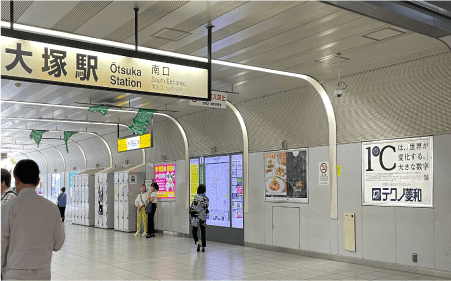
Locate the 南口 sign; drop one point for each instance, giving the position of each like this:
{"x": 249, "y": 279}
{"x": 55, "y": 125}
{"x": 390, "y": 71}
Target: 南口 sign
{"x": 218, "y": 100}
{"x": 397, "y": 172}
{"x": 43, "y": 62}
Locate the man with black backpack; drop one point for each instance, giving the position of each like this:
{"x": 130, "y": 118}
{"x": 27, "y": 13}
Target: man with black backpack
{"x": 7, "y": 192}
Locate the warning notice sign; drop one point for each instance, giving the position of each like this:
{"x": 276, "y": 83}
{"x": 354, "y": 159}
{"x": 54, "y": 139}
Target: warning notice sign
{"x": 324, "y": 173}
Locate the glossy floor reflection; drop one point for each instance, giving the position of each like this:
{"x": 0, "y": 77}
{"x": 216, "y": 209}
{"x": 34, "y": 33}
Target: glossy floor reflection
{"x": 97, "y": 254}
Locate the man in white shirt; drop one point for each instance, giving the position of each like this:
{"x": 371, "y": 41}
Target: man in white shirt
{"x": 31, "y": 228}
{"x": 7, "y": 192}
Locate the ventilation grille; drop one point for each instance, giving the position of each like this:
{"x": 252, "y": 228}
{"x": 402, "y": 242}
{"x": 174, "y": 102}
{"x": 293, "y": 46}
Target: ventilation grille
{"x": 145, "y": 18}
{"x": 79, "y": 15}
{"x": 19, "y": 8}
{"x": 242, "y": 24}
{"x": 202, "y": 18}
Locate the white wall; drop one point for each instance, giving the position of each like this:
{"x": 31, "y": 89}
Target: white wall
{"x": 388, "y": 234}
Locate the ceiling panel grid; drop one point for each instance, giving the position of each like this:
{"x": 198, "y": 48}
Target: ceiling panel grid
{"x": 95, "y": 150}
{"x": 212, "y": 128}
{"x": 79, "y": 15}
{"x": 54, "y": 159}
{"x": 167, "y": 141}
{"x": 19, "y": 8}
{"x": 74, "y": 158}
{"x": 259, "y": 16}
{"x": 198, "y": 20}
{"x": 145, "y": 18}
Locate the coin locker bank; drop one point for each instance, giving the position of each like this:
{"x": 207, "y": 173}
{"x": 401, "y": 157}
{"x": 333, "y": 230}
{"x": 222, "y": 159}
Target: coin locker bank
{"x": 127, "y": 185}
{"x": 83, "y": 207}
{"x": 223, "y": 176}
{"x": 104, "y": 198}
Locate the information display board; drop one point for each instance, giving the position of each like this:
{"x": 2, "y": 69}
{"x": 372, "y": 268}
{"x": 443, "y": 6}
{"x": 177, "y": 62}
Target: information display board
{"x": 286, "y": 175}
{"x": 164, "y": 176}
{"x": 223, "y": 176}
{"x": 55, "y": 184}
{"x": 398, "y": 172}
{"x": 134, "y": 142}
{"x": 237, "y": 191}
{"x": 217, "y": 180}
{"x": 194, "y": 178}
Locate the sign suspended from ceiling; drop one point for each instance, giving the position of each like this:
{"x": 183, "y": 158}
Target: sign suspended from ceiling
{"x": 134, "y": 142}
{"x": 218, "y": 100}
{"x": 43, "y": 59}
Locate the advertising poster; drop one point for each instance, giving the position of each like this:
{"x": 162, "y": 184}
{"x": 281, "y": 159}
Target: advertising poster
{"x": 237, "y": 191}
{"x": 398, "y": 172}
{"x": 217, "y": 180}
{"x": 194, "y": 178}
{"x": 286, "y": 176}
{"x": 40, "y": 187}
{"x": 164, "y": 176}
{"x": 55, "y": 184}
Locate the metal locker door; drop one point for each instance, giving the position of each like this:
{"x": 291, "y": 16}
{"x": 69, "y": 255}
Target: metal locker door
{"x": 105, "y": 222}
{"x": 116, "y": 203}
{"x": 121, "y": 206}
{"x": 126, "y": 207}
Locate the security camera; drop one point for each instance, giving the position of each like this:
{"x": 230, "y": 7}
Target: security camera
{"x": 339, "y": 92}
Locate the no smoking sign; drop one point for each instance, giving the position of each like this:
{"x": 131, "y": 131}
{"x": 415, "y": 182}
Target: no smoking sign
{"x": 323, "y": 173}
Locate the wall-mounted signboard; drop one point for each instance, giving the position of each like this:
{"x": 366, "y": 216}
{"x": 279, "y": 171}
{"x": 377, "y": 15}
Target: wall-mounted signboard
{"x": 43, "y": 59}
{"x": 286, "y": 175}
{"x": 398, "y": 172}
{"x": 218, "y": 100}
{"x": 164, "y": 176}
{"x": 134, "y": 142}
{"x": 223, "y": 176}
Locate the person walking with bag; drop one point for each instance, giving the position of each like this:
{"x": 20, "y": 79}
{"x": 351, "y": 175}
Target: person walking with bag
{"x": 198, "y": 215}
{"x": 153, "y": 198}
{"x": 61, "y": 202}
{"x": 140, "y": 203}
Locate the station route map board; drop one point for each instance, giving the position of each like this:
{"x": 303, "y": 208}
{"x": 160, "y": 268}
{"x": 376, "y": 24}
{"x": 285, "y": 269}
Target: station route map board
{"x": 217, "y": 180}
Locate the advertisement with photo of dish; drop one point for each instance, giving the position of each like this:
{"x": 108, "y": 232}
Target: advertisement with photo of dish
{"x": 275, "y": 175}
{"x": 286, "y": 176}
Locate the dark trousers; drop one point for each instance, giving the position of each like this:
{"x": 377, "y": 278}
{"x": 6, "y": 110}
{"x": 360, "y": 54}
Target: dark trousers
{"x": 62, "y": 211}
{"x": 150, "y": 223}
{"x": 202, "y": 234}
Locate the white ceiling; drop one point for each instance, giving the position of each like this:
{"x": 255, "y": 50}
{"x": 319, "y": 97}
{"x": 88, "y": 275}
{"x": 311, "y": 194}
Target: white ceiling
{"x": 281, "y": 35}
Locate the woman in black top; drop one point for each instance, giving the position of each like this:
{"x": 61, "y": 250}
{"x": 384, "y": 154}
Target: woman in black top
{"x": 198, "y": 215}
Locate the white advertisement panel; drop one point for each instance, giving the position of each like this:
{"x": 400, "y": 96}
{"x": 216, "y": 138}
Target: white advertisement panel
{"x": 398, "y": 172}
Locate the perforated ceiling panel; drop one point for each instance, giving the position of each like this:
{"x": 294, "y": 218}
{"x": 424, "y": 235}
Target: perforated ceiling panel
{"x": 258, "y": 16}
{"x": 145, "y": 18}
{"x": 79, "y": 15}
{"x": 54, "y": 159}
{"x": 96, "y": 152}
{"x": 168, "y": 141}
{"x": 202, "y": 18}
{"x": 19, "y": 8}
{"x": 74, "y": 158}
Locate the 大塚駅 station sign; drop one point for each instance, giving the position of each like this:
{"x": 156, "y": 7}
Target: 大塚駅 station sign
{"x": 44, "y": 59}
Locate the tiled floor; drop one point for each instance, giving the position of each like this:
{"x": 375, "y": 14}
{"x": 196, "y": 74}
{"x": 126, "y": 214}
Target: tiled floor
{"x": 97, "y": 254}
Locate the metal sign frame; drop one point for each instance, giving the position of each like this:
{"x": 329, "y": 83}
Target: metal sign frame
{"x": 103, "y": 49}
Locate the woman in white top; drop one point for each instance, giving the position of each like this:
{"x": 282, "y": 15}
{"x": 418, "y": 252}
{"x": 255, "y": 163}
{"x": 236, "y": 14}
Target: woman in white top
{"x": 153, "y": 198}
{"x": 140, "y": 203}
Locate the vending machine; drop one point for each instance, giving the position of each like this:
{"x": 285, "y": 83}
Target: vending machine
{"x": 127, "y": 185}
{"x": 104, "y": 198}
{"x": 83, "y": 207}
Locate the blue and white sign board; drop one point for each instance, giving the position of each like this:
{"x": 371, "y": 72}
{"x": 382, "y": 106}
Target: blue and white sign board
{"x": 398, "y": 172}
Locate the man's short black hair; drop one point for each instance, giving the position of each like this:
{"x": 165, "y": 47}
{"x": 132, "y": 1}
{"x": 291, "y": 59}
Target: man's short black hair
{"x": 6, "y": 177}
{"x": 201, "y": 189}
{"x": 27, "y": 171}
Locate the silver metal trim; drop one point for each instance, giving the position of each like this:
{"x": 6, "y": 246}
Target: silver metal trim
{"x": 245, "y": 157}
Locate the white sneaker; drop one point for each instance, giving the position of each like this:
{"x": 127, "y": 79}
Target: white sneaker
{"x": 144, "y": 234}
{"x": 136, "y": 234}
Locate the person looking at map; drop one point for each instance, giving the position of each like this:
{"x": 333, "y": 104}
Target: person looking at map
{"x": 198, "y": 215}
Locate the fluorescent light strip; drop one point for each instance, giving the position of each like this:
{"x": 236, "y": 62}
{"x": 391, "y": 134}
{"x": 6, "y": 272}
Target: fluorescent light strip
{"x": 62, "y": 121}
{"x": 19, "y": 129}
{"x": 145, "y": 49}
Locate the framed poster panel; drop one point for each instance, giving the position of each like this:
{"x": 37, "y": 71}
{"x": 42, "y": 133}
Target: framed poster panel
{"x": 398, "y": 172}
{"x": 164, "y": 176}
{"x": 286, "y": 175}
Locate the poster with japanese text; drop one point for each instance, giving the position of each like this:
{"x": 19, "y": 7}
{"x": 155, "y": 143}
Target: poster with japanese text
{"x": 286, "y": 176}
{"x": 194, "y": 178}
{"x": 164, "y": 176}
{"x": 397, "y": 172}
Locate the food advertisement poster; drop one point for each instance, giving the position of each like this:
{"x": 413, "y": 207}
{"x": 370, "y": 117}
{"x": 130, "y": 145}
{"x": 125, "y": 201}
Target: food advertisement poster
{"x": 164, "y": 176}
{"x": 398, "y": 172}
{"x": 286, "y": 176}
